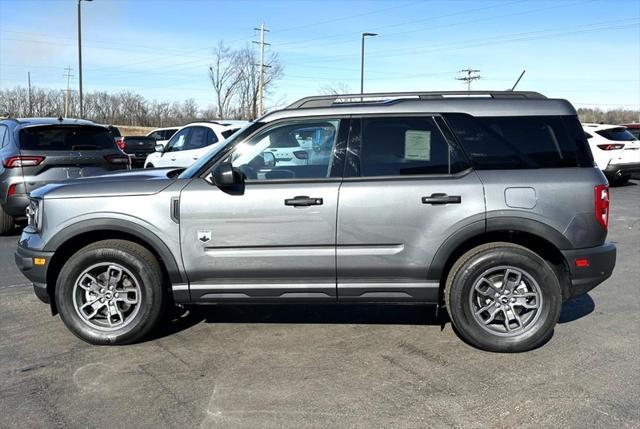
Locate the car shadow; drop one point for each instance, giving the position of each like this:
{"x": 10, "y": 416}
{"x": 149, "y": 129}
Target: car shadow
{"x": 183, "y": 318}
{"x": 356, "y": 314}
{"x": 576, "y": 308}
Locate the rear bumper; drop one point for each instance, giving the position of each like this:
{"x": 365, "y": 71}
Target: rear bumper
{"x": 37, "y": 274}
{"x": 626, "y": 168}
{"x": 602, "y": 260}
{"x": 16, "y": 205}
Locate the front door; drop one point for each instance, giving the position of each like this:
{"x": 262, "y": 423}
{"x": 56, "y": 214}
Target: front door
{"x": 274, "y": 237}
{"x": 409, "y": 189}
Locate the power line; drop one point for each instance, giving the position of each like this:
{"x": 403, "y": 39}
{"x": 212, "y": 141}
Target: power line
{"x": 469, "y": 75}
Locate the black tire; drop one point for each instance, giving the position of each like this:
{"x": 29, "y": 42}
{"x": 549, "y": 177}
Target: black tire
{"x": 620, "y": 180}
{"x": 7, "y": 222}
{"x": 465, "y": 276}
{"x": 149, "y": 166}
{"x": 144, "y": 268}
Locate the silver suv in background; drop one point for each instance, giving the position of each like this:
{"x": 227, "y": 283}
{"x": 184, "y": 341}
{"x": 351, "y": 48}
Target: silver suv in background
{"x": 486, "y": 203}
{"x": 38, "y": 151}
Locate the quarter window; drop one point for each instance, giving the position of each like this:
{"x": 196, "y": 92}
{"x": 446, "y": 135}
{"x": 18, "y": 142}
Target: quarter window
{"x": 3, "y": 136}
{"x": 403, "y": 146}
{"x": 517, "y": 142}
{"x": 281, "y": 151}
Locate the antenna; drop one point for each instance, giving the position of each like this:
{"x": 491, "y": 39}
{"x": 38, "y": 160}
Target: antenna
{"x": 518, "y": 80}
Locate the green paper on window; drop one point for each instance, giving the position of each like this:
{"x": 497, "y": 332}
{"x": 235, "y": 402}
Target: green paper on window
{"x": 417, "y": 145}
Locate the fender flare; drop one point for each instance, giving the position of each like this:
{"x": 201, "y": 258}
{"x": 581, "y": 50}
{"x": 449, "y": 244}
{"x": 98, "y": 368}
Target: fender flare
{"x": 493, "y": 224}
{"x": 120, "y": 225}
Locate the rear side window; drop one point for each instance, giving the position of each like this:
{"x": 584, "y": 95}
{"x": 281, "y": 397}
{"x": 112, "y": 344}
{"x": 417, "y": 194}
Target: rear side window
{"x": 61, "y": 137}
{"x": 520, "y": 142}
{"x": 169, "y": 133}
{"x": 402, "y": 146}
{"x": 617, "y": 134}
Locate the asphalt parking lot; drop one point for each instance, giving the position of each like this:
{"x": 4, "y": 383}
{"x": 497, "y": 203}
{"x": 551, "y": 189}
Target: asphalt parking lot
{"x": 328, "y": 366}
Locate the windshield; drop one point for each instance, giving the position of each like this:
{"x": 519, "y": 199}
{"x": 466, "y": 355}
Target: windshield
{"x": 216, "y": 150}
{"x": 617, "y": 134}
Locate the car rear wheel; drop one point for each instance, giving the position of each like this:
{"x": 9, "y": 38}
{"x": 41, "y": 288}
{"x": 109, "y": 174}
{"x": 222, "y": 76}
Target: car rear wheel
{"x": 111, "y": 292}
{"x": 149, "y": 166}
{"x": 502, "y": 297}
{"x": 7, "y": 222}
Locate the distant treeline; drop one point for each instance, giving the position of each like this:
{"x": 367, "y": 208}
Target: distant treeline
{"x": 613, "y": 116}
{"x": 130, "y": 108}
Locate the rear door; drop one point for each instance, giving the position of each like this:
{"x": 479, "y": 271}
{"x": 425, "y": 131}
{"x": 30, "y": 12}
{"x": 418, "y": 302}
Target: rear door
{"x": 407, "y": 187}
{"x": 61, "y": 152}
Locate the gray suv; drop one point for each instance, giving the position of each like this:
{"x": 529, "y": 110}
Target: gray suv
{"x": 486, "y": 203}
{"x": 38, "y": 151}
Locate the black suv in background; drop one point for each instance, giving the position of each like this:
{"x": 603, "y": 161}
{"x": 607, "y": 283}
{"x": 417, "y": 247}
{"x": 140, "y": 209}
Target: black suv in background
{"x": 38, "y": 151}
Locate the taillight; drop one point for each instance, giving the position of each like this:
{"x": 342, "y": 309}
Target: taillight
{"x": 117, "y": 159}
{"x": 612, "y": 146}
{"x": 301, "y": 154}
{"x": 22, "y": 161}
{"x": 12, "y": 190}
{"x": 120, "y": 143}
{"x": 602, "y": 205}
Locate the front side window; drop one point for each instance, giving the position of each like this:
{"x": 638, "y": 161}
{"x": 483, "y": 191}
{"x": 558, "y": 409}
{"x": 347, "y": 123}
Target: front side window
{"x": 177, "y": 142}
{"x": 402, "y": 146}
{"x": 168, "y": 134}
{"x": 276, "y": 153}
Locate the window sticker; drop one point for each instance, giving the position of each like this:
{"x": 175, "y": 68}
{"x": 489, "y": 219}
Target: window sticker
{"x": 417, "y": 145}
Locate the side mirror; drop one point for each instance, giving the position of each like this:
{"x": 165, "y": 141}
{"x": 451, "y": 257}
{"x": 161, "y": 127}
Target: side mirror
{"x": 224, "y": 175}
{"x": 159, "y": 148}
{"x": 269, "y": 159}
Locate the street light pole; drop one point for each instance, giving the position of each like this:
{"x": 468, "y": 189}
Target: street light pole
{"x": 362, "y": 60}
{"x": 80, "y": 56}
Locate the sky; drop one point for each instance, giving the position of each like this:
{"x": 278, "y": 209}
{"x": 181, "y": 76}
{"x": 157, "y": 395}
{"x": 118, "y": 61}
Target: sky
{"x": 587, "y": 51}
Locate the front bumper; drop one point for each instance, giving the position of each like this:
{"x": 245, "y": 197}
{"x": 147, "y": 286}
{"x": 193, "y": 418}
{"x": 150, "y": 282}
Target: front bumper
{"x": 601, "y": 261}
{"x": 37, "y": 274}
{"x": 623, "y": 168}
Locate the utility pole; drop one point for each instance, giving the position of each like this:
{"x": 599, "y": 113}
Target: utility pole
{"x": 80, "y": 55}
{"x": 262, "y": 65}
{"x": 30, "y": 100}
{"x": 362, "y": 59}
{"x": 67, "y": 93}
{"x": 470, "y": 76}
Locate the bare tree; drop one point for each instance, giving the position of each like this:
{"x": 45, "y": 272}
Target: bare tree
{"x": 248, "y": 93}
{"x": 225, "y": 75}
{"x": 335, "y": 88}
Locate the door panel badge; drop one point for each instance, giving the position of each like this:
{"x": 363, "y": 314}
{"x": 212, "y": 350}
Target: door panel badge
{"x": 204, "y": 236}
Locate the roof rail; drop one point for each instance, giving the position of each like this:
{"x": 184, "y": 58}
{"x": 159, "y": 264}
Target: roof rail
{"x": 383, "y": 97}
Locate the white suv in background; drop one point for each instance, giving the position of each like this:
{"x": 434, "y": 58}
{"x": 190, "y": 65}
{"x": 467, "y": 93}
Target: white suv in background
{"x": 615, "y": 150}
{"x": 189, "y": 143}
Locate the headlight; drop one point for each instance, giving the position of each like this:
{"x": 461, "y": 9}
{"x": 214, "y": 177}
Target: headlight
{"x": 34, "y": 214}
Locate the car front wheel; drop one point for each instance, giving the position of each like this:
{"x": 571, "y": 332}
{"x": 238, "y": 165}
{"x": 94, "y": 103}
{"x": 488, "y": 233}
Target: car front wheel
{"x": 503, "y": 297}
{"x": 111, "y": 292}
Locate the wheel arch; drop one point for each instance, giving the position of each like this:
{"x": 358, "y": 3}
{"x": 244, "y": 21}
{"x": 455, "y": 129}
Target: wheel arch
{"x": 536, "y": 236}
{"x": 71, "y": 239}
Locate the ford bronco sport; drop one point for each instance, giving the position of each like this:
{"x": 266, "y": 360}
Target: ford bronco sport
{"x": 487, "y": 203}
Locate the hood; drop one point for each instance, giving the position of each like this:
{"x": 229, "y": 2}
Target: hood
{"x": 126, "y": 183}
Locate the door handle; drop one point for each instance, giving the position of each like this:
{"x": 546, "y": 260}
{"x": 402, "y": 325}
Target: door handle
{"x": 439, "y": 199}
{"x": 303, "y": 201}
